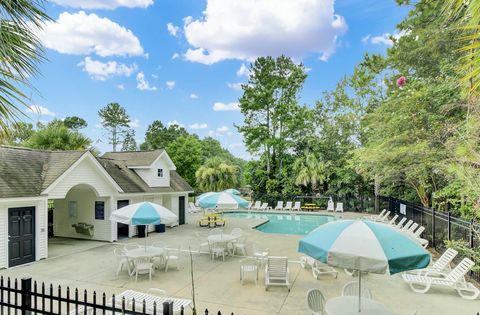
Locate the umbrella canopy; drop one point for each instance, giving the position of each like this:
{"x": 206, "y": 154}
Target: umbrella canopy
{"x": 144, "y": 213}
{"x": 222, "y": 200}
{"x": 364, "y": 246}
{"x": 232, "y": 191}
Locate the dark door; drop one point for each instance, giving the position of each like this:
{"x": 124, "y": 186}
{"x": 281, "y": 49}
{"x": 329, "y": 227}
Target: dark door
{"x": 122, "y": 229}
{"x": 21, "y": 236}
{"x": 181, "y": 210}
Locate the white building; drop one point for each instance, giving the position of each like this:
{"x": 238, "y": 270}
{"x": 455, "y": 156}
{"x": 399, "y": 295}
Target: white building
{"x": 80, "y": 191}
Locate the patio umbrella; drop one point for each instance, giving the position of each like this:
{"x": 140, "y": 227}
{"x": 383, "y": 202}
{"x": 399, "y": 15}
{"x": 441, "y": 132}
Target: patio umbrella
{"x": 222, "y": 200}
{"x": 144, "y": 213}
{"x": 364, "y": 246}
{"x": 232, "y": 191}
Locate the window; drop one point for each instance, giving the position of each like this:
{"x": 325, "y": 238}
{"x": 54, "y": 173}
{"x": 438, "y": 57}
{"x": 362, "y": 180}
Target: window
{"x": 99, "y": 210}
{"x": 160, "y": 172}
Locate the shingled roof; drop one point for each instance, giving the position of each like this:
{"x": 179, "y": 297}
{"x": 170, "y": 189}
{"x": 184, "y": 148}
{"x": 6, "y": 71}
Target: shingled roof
{"x": 27, "y": 172}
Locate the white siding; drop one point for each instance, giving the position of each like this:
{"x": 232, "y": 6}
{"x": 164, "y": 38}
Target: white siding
{"x": 85, "y": 199}
{"x": 41, "y": 234}
{"x": 84, "y": 173}
{"x": 150, "y": 175}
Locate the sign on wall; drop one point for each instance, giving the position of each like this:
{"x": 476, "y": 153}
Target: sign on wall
{"x": 403, "y": 209}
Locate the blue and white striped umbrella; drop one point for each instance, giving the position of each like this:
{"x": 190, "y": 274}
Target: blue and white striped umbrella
{"x": 232, "y": 191}
{"x": 222, "y": 200}
{"x": 365, "y": 246}
{"x": 144, "y": 213}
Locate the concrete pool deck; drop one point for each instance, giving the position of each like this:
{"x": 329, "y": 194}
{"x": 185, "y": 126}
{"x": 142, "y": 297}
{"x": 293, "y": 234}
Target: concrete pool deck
{"x": 91, "y": 265}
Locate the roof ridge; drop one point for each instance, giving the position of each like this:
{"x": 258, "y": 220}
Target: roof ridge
{"x": 12, "y": 147}
{"x": 136, "y": 151}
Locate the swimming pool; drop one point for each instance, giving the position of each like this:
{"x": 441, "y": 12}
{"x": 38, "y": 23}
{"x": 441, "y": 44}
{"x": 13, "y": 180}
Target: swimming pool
{"x": 299, "y": 224}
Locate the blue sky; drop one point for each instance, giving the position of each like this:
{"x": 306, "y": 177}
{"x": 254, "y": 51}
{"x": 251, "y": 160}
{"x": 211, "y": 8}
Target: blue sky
{"x": 180, "y": 61}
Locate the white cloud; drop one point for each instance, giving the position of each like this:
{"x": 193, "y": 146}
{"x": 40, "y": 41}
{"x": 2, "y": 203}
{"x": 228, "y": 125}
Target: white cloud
{"x": 236, "y": 86}
{"x": 104, "y": 4}
{"x": 154, "y": 76}
{"x": 235, "y": 145}
{"x": 175, "y": 56}
{"x": 244, "y": 30}
{"x": 143, "y": 84}
{"x": 199, "y": 126}
{"x": 120, "y": 87}
{"x": 82, "y": 34}
{"x": 193, "y": 96}
{"x": 219, "y": 106}
{"x": 174, "y": 122}
{"x": 383, "y": 39}
{"x": 170, "y": 84}
{"x": 243, "y": 71}
{"x": 101, "y": 71}
{"x": 172, "y": 29}
{"x": 223, "y": 129}
{"x": 134, "y": 123}
{"x": 40, "y": 110}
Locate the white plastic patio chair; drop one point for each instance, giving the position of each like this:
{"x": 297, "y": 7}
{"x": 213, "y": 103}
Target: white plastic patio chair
{"x": 122, "y": 260}
{"x": 215, "y": 231}
{"x": 257, "y": 205}
{"x": 154, "y": 296}
{"x": 218, "y": 249}
{"x": 318, "y": 268}
{"x": 376, "y": 216}
{"x": 315, "y": 301}
{"x": 351, "y": 289}
{"x": 455, "y": 279}
{"x": 399, "y": 224}
{"x": 265, "y": 206}
{"x": 288, "y": 206}
{"x": 330, "y": 205}
{"x": 412, "y": 228}
{"x": 248, "y": 265}
{"x": 202, "y": 243}
{"x": 143, "y": 265}
{"x": 339, "y": 207}
{"x": 237, "y": 232}
{"x": 419, "y": 232}
{"x": 192, "y": 208}
{"x": 297, "y": 206}
{"x": 392, "y": 221}
{"x": 277, "y": 272}
{"x": 407, "y": 225}
{"x": 172, "y": 256}
{"x": 279, "y": 205}
{"x": 440, "y": 267}
{"x": 383, "y": 217}
{"x": 240, "y": 245}
{"x": 260, "y": 253}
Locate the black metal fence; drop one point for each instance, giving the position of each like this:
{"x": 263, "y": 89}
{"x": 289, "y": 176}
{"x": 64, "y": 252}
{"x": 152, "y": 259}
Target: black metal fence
{"x": 439, "y": 225}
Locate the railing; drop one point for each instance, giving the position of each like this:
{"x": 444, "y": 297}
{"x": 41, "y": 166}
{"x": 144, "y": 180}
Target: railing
{"x": 439, "y": 225}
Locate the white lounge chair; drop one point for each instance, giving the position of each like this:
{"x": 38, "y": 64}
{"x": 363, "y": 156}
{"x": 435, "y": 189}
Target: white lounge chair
{"x": 240, "y": 245}
{"x": 172, "y": 255}
{"x": 315, "y": 301}
{"x": 249, "y": 206}
{"x": 392, "y": 221}
{"x": 383, "y": 218}
{"x": 455, "y": 279}
{"x": 122, "y": 260}
{"x": 143, "y": 265}
{"x": 218, "y": 249}
{"x": 376, "y": 216}
{"x": 288, "y": 206}
{"x": 330, "y": 205}
{"x": 277, "y": 272}
{"x": 279, "y": 205}
{"x": 407, "y": 225}
{"x": 192, "y": 208}
{"x": 265, "y": 206}
{"x": 399, "y": 224}
{"x": 248, "y": 265}
{"x": 260, "y": 253}
{"x": 297, "y": 206}
{"x": 257, "y": 205}
{"x": 351, "y": 289}
{"x": 152, "y": 296}
{"x": 339, "y": 207}
{"x": 440, "y": 267}
{"x": 412, "y": 228}
{"x": 418, "y": 237}
{"x": 318, "y": 268}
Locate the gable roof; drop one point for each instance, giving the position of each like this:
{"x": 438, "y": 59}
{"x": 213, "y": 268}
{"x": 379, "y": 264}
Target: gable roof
{"x": 27, "y": 172}
{"x": 135, "y": 158}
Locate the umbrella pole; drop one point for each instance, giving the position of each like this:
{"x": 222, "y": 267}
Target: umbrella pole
{"x": 146, "y": 233}
{"x": 359, "y": 291}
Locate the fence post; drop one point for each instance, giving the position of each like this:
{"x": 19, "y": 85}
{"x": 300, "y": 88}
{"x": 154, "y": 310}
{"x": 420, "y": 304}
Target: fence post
{"x": 433, "y": 228}
{"x": 471, "y": 234}
{"x": 167, "y": 308}
{"x": 449, "y": 226}
{"x": 26, "y": 296}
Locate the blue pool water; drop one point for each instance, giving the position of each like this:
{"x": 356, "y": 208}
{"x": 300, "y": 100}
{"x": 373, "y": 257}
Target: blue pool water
{"x": 300, "y": 224}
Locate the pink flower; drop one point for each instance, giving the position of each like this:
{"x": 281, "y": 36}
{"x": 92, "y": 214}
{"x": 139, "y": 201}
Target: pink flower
{"x": 401, "y": 81}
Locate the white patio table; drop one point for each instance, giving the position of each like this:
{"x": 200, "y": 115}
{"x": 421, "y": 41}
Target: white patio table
{"x": 223, "y": 238}
{"x": 348, "y": 305}
{"x": 148, "y": 251}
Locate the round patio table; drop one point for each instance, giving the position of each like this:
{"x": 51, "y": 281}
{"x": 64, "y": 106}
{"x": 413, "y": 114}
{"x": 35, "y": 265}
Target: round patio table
{"x": 148, "y": 251}
{"x": 222, "y": 238}
{"x": 348, "y": 305}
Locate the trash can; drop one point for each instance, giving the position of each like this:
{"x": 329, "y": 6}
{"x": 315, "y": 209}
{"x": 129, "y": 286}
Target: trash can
{"x": 141, "y": 230}
{"x": 160, "y": 228}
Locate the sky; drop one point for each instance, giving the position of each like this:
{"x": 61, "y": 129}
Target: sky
{"x": 182, "y": 61}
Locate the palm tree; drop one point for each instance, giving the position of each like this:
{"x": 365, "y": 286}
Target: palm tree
{"x": 20, "y": 54}
{"x": 216, "y": 175}
{"x": 56, "y": 136}
{"x": 310, "y": 171}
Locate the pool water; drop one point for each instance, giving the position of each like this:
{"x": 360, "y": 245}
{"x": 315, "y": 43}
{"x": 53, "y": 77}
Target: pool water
{"x": 299, "y": 224}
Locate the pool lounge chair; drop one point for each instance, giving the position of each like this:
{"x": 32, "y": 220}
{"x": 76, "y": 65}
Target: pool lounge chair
{"x": 257, "y": 205}
{"x": 192, "y": 208}
{"x": 153, "y": 296}
{"x": 440, "y": 267}
{"x": 265, "y": 206}
{"x": 330, "y": 206}
{"x": 376, "y": 216}
{"x": 297, "y": 206}
{"x": 288, "y": 206}
{"x": 276, "y": 272}
{"x": 455, "y": 279}
{"x": 399, "y": 224}
{"x": 407, "y": 225}
{"x": 339, "y": 207}
{"x": 318, "y": 268}
{"x": 382, "y": 218}
{"x": 392, "y": 221}
{"x": 279, "y": 205}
